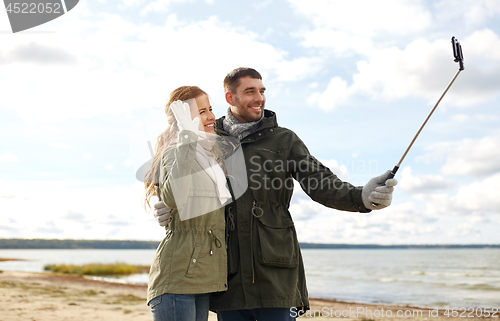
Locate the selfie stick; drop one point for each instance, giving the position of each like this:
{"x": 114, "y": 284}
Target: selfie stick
{"x": 457, "y": 52}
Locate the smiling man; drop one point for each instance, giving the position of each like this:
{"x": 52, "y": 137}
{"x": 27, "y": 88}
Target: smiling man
{"x": 246, "y": 98}
{"x": 265, "y": 269}
{"x": 245, "y": 95}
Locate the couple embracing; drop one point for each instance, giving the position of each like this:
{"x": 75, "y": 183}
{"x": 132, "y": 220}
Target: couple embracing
{"x": 230, "y": 244}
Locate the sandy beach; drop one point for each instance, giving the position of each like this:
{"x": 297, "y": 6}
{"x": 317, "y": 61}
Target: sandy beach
{"x": 49, "y": 297}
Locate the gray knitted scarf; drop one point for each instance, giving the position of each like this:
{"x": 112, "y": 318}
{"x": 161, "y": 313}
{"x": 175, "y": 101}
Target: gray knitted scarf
{"x": 240, "y": 130}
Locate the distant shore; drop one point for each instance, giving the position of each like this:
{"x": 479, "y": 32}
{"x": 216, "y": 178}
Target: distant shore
{"x": 126, "y": 244}
{"x": 52, "y": 297}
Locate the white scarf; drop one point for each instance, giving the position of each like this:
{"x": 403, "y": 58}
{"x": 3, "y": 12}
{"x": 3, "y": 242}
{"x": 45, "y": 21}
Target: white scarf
{"x": 206, "y": 160}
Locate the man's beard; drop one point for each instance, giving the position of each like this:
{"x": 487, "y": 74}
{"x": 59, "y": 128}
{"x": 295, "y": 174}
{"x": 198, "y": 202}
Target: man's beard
{"x": 247, "y": 115}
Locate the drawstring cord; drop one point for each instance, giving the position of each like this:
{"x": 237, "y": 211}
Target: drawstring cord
{"x": 229, "y": 223}
{"x": 257, "y": 211}
{"x": 215, "y": 240}
{"x": 230, "y": 216}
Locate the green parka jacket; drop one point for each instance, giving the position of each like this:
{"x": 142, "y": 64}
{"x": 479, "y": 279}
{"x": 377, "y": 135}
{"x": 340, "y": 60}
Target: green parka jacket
{"x": 265, "y": 268}
{"x": 192, "y": 257}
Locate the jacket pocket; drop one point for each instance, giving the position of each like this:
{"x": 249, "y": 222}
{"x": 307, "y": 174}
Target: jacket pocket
{"x": 278, "y": 241}
{"x": 154, "y": 302}
{"x": 193, "y": 261}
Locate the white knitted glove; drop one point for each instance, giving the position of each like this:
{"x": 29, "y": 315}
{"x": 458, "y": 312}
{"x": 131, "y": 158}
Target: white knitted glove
{"x": 162, "y": 213}
{"x": 377, "y": 193}
{"x": 182, "y": 114}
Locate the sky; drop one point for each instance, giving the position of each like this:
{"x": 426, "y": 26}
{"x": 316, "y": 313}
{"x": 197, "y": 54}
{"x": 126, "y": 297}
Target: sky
{"x": 80, "y": 97}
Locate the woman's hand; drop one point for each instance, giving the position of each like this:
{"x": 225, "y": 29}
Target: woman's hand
{"x": 182, "y": 113}
{"x": 162, "y": 213}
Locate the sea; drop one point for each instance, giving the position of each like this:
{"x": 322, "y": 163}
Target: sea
{"x": 432, "y": 278}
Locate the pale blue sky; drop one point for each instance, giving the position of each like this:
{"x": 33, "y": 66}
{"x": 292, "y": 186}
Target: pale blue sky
{"x": 354, "y": 79}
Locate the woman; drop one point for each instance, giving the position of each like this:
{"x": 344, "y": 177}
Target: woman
{"x": 191, "y": 260}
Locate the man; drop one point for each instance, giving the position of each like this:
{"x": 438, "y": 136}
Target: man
{"x": 265, "y": 269}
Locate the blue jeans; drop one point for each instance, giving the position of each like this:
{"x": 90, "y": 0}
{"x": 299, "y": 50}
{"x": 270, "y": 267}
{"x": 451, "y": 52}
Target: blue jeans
{"x": 261, "y": 314}
{"x": 180, "y": 307}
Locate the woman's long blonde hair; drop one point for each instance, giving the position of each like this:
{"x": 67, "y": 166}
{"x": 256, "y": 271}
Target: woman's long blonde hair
{"x": 165, "y": 139}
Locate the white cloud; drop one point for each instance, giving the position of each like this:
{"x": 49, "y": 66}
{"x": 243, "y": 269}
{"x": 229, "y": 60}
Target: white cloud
{"x": 366, "y": 17}
{"x": 463, "y": 230}
{"x": 472, "y": 157}
{"x": 395, "y": 224}
{"x": 483, "y": 44}
{"x": 477, "y": 118}
{"x": 55, "y": 130}
{"x": 479, "y": 82}
{"x": 304, "y": 208}
{"x": 297, "y": 69}
{"x": 473, "y": 13}
{"x": 124, "y": 66}
{"x": 160, "y": 6}
{"x": 61, "y": 145}
{"x": 343, "y": 29}
{"x": 74, "y": 216}
{"x": 422, "y": 183}
{"x": 473, "y": 219}
{"x": 109, "y": 212}
{"x": 129, "y": 3}
{"x": 340, "y": 42}
{"x": 36, "y": 53}
{"x": 437, "y": 152}
{"x": 105, "y": 64}
{"x": 479, "y": 197}
{"x": 336, "y": 93}
{"x": 338, "y": 169}
{"x": 422, "y": 69}
{"x": 259, "y": 5}
{"x": 391, "y": 73}
{"x": 461, "y": 118}
{"x": 427, "y": 216}
{"x": 8, "y": 158}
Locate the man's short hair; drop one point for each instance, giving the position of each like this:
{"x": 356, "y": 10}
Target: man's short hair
{"x": 232, "y": 80}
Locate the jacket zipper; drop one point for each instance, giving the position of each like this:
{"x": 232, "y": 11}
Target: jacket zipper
{"x": 256, "y": 212}
{"x": 301, "y": 301}
{"x": 251, "y": 248}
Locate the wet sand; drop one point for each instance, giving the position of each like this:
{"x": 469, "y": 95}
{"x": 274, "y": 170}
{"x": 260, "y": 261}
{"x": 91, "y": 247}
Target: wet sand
{"x": 50, "y": 297}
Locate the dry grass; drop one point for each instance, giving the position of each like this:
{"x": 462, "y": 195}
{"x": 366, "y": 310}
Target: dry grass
{"x": 5, "y": 259}
{"x": 98, "y": 269}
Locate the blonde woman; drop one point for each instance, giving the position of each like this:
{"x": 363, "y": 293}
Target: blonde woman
{"x": 191, "y": 261}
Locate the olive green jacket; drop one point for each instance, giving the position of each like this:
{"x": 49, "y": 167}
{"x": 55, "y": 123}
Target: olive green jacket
{"x": 192, "y": 257}
{"x": 264, "y": 260}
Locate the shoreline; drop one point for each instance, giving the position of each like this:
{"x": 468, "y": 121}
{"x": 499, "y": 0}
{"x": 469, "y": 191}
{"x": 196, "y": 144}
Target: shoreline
{"x": 51, "y": 297}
